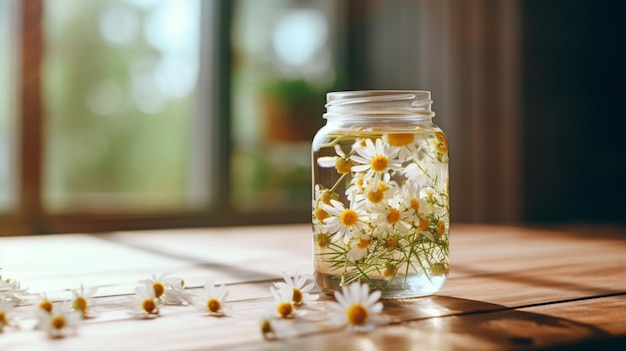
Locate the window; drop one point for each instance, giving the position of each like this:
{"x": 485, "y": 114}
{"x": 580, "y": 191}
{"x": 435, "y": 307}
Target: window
{"x": 150, "y": 113}
{"x": 8, "y": 84}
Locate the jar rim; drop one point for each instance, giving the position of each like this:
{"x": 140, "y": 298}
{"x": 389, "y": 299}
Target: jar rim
{"x": 379, "y": 102}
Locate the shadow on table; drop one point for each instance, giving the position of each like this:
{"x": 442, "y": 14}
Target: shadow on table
{"x": 447, "y": 323}
{"x": 453, "y": 323}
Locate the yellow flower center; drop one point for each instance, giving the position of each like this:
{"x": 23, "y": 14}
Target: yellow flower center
{"x": 356, "y": 314}
{"x": 326, "y": 197}
{"x": 441, "y": 148}
{"x": 349, "y": 217}
{"x": 320, "y": 214}
{"x": 58, "y": 322}
{"x": 148, "y": 305}
{"x": 3, "y": 319}
{"x": 363, "y": 243}
{"x": 284, "y": 309}
{"x": 46, "y": 306}
{"x": 213, "y": 305}
{"x": 415, "y": 204}
{"x": 297, "y": 296}
{"x": 80, "y": 304}
{"x": 441, "y": 227}
{"x": 159, "y": 289}
{"x": 394, "y": 216}
{"x": 322, "y": 240}
{"x": 343, "y": 165}
{"x": 266, "y": 327}
{"x": 423, "y": 224}
{"x": 379, "y": 163}
{"x": 378, "y": 195}
{"x": 400, "y": 139}
{"x": 390, "y": 271}
{"x": 392, "y": 242}
{"x": 359, "y": 182}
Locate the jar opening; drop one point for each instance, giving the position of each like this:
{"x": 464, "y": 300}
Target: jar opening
{"x": 379, "y": 102}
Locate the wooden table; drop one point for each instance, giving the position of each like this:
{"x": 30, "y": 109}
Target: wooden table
{"x": 510, "y": 288}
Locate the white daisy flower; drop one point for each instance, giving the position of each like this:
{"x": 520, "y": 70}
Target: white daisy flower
{"x": 6, "y": 318}
{"x": 161, "y": 283}
{"x": 176, "y": 294}
{"x": 416, "y": 174}
{"x": 376, "y": 160}
{"x": 143, "y": 304}
{"x": 356, "y": 308}
{"x": 392, "y": 217}
{"x": 342, "y": 222}
{"x": 301, "y": 290}
{"x": 373, "y": 196}
{"x": 405, "y": 143}
{"x": 63, "y": 321}
{"x": 211, "y": 298}
{"x": 81, "y": 300}
{"x": 359, "y": 250}
{"x": 283, "y": 301}
{"x": 44, "y": 305}
{"x": 11, "y": 289}
{"x": 273, "y": 328}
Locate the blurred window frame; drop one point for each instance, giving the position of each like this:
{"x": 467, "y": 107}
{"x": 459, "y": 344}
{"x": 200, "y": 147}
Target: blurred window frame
{"x": 29, "y": 215}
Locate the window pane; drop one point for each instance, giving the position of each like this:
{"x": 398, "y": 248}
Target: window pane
{"x": 8, "y": 87}
{"x": 285, "y": 61}
{"x": 120, "y": 87}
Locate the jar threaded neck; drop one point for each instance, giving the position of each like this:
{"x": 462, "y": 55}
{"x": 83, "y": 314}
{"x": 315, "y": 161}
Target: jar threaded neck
{"x": 379, "y": 102}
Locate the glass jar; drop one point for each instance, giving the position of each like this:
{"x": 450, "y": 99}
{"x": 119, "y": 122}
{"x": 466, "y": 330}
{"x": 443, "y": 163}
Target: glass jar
{"x": 380, "y": 194}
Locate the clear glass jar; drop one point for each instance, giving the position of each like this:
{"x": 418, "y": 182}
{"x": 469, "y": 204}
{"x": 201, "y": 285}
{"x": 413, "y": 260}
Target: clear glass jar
{"x": 380, "y": 194}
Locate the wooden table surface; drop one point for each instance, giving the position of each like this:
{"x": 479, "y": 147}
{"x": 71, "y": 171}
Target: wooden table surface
{"x": 510, "y": 288}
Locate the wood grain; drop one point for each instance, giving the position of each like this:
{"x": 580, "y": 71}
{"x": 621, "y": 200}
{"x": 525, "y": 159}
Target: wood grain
{"x": 510, "y": 288}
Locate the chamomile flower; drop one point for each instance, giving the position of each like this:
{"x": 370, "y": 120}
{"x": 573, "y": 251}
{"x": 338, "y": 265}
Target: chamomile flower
{"x": 11, "y": 289}
{"x": 6, "y": 318}
{"x": 161, "y": 283}
{"x": 211, "y": 299}
{"x": 416, "y": 174}
{"x": 45, "y": 304}
{"x": 273, "y": 328}
{"x": 373, "y": 196}
{"x": 342, "y": 222}
{"x": 392, "y": 217}
{"x": 143, "y": 304}
{"x": 376, "y": 160}
{"x": 359, "y": 250}
{"x": 356, "y": 308}
{"x": 405, "y": 143}
{"x": 176, "y": 294}
{"x": 81, "y": 300}
{"x": 283, "y": 301}
{"x": 301, "y": 290}
{"x": 322, "y": 197}
{"x": 63, "y": 321}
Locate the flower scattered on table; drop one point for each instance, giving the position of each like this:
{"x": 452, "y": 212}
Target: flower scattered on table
{"x": 62, "y": 322}
{"x": 211, "y": 299}
{"x": 6, "y": 317}
{"x": 176, "y": 294}
{"x": 283, "y": 301}
{"x": 82, "y": 301}
{"x": 356, "y": 308}
{"x": 301, "y": 290}
{"x": 43, "y": 306}
{"x": 11, "y": 289}
{"x": 144, "y": 304}
{"x": 273, "y": 328}
{"x": 162, "y": 286}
